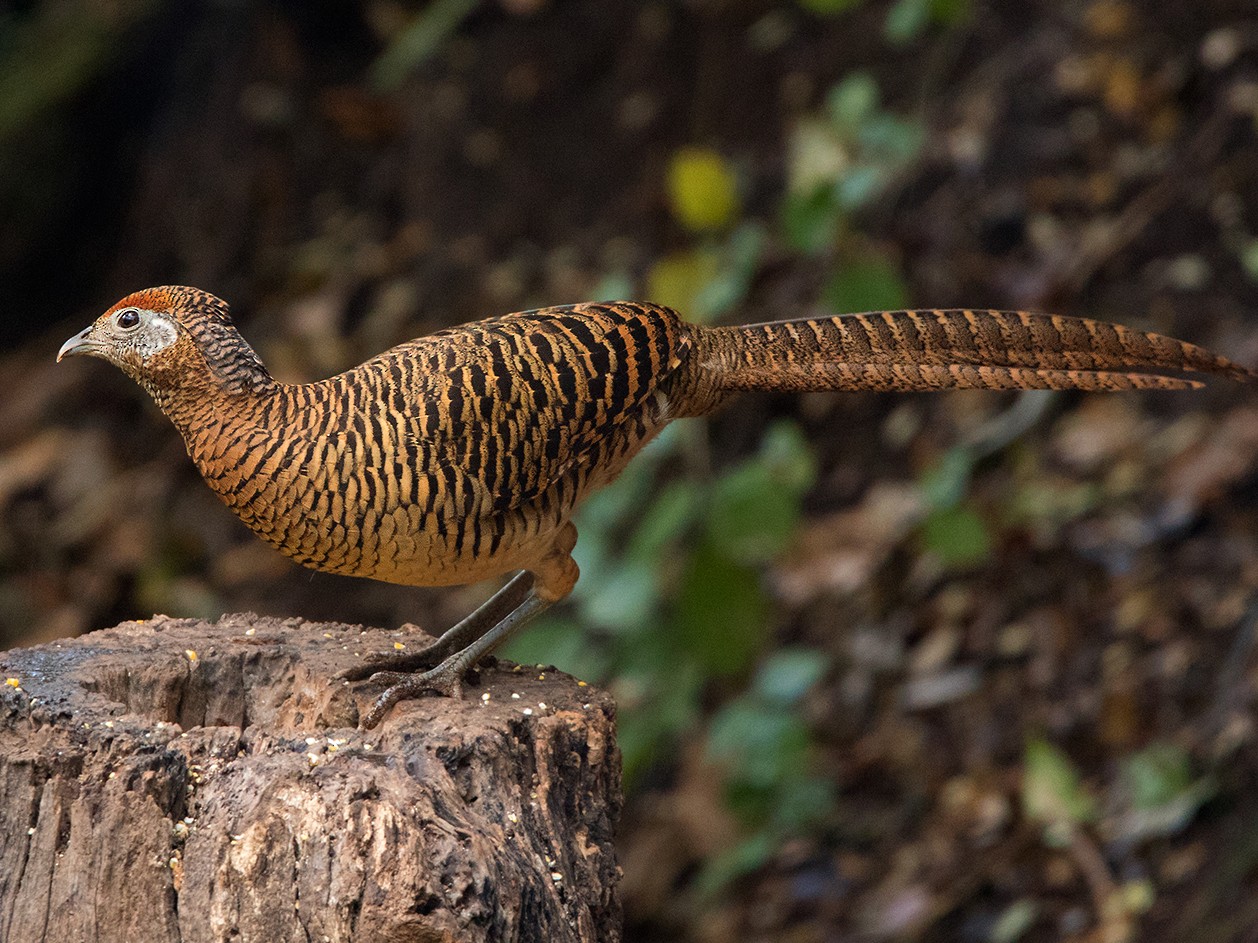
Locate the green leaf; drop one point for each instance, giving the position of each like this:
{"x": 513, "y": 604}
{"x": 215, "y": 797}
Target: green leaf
{"x": 413, "y": 46}
{"x": 559, "y": 642}
{"x": 665, "y": 520}
{"x": 1053, "y": 793}
{"x": 789, "y": 455}
{"x": 627, "y": 597}
{"x": 859, "y": 186}
{"x": 890, "y": 141}
{"x": 906, "y": 20}
{"x": 829, "y": 7}
{"x": 602, "y": 516}
{"x": 803, "y": 801}
{"x": 678, "y": 280}
{"x": 853, "y": 100}
{"x": 702, "y": 190}
{"x": 957, "y": 535}
{"x": 737, "y": 261}
{"x": 721, "y": 613}
{"x": 754, "y": 509}
{"x": 1014, "y": 921}
{"x": 811, "y": 221}
{"x": 645, "y": 733}
{"x": 761, "y": 747}
{"x": 870, "y": 283}
{"x": 788, "y": 674}
{"x": 741, "y": 860}
{"x": 752, "y": 516}
{"x": 1157, "y": 774}
{"x": 946, "y": 482}
{"x": 1161, "y": 792}
{"x": 951, "y": 12}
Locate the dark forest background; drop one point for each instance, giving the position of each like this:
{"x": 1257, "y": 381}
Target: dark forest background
{"x": 972, "y": 667}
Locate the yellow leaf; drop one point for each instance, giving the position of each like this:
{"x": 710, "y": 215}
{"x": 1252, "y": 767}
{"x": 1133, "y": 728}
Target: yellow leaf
{"x": 677, "y": 279}
{"x": 701, "y": 189}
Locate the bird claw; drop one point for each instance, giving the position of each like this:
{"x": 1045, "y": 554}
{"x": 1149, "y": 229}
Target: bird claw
{"x": 390, "y": 678}
{"x": 426, "y": 657}
{"x": 402, "y": 687}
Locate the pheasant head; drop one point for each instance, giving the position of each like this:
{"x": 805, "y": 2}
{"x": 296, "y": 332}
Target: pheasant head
{"x": 172, "y": 339}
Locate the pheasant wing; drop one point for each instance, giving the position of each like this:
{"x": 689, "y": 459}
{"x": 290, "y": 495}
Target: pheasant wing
{"x": 514, "y": 403}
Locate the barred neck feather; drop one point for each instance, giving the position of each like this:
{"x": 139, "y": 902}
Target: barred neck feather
{"x": 234, "y": 364}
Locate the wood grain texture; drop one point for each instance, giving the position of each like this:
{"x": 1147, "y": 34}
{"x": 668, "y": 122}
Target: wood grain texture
{"x": 149, "y": 795}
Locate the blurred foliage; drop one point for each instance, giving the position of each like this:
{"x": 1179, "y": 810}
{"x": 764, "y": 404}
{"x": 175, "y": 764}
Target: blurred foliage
{"x": 830, "y": 7}
{"x": 762, "y": 742}
{"x": 671, "y": 582}
{"x": 711, "y": 278}
{"x": 53, "y": 58}
{"x": 954, "y": 530}
{"x": 957, "y": 530}
{"x": 1158, "y": 792}
{"x": 51, "y": 54}
{"x": 672, "y": 559}
{"x": 702, "y": 190}
{"x": 676, "y": 609}
{"x": 906, "y": 20}
{"x": 1155, "y": 796}
{"x": 1053, "y": 793}
{"x": 841, "y": 160}
{"x": 417, "y": 41}
{"x": 866, "y": 283}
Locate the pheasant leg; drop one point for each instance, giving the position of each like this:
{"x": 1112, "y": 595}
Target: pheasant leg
{"x": 552, "y": 580}
{"x": 447, "y": 677}
{"x": 515, "y": 420}
{"x": 458, "y": 637}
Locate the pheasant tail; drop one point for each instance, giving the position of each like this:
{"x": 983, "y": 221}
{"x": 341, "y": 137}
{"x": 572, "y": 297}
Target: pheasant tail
{"x": 951, "y": 349}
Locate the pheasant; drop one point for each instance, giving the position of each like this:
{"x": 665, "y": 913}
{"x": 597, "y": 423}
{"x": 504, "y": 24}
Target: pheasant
{"x": 462, "y": 455}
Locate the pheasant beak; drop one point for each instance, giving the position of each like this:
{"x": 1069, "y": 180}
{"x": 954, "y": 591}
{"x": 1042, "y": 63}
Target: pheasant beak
{"x": 81, "y": 343}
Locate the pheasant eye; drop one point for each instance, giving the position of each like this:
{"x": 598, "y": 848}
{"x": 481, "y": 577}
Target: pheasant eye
{"x": 128, "y": 319}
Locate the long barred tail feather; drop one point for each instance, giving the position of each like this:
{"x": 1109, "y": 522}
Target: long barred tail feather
{"x": 952, "y": 349}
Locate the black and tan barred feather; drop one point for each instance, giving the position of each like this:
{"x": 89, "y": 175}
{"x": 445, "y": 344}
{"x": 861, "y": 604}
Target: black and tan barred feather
{"x": 953, "y": 349}
{"x": 206, "y": 318}
{"x": 462, "y": 455}
{"x": 442, "y": 459}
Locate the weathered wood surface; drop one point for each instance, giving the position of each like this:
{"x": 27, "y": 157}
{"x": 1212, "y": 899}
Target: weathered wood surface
{"x": 178, "y": 780}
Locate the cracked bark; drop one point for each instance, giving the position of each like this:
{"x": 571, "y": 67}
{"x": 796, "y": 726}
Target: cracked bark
{"x": 149, "y": 793}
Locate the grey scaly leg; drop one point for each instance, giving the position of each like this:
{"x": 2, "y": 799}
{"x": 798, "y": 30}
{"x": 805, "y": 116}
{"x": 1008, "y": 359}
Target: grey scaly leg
{"x": 457, "y": 638}
{"x": 447, "y": 677}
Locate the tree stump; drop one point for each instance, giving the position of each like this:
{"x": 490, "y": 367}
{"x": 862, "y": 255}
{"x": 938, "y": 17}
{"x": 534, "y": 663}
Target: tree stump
{"x": 178, "y": 780}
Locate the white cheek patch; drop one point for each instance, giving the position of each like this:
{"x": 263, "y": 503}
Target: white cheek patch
{"x": 159, "y": 334}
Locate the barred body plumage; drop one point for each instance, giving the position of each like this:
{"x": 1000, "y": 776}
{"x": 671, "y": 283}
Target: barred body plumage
{"x": 462, "y": 455}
